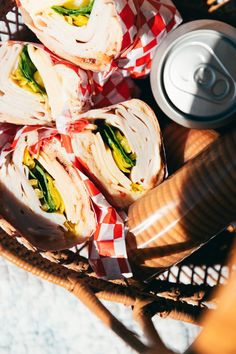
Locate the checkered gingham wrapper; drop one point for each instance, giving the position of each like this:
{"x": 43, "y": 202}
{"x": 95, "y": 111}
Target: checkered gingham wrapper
{"x": 7, "y": 135}
{"x": 112, "y": 89}
{"x": 107, "y": 247}
{"x": 10, "y": 135}
{"x": 154, "y": 19}
{"x": 145, "y": 23}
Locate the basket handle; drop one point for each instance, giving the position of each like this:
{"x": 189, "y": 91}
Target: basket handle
{"x": 185, "y": 211}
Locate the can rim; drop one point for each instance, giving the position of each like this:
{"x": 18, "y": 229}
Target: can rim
{"x": 156, "y": 76}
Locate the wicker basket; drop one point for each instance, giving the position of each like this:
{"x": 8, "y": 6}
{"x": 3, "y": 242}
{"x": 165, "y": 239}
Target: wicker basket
{"x": 182, "y": 292}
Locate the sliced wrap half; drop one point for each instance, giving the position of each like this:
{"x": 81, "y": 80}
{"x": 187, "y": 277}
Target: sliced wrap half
{"x": 122, "y": 149}
{"x": 43, "y": 196}
{"x": 36, "y": 87}
{"x": 86, "y": 32}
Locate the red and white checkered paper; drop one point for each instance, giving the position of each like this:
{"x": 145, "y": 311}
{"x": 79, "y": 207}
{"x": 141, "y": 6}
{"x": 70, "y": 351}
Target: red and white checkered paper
{"x": 112, "y": 89}
{"x": 145, "y": 23}
{"x": 107, "y": 248}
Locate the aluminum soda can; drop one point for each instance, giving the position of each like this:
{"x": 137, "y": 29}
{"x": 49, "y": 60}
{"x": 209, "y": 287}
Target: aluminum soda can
{"x": 193, "y": 76}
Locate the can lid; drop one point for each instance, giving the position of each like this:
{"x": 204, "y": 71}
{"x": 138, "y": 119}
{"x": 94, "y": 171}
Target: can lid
{"x": 198, "y": 75}
{"x": 193, "y": 75}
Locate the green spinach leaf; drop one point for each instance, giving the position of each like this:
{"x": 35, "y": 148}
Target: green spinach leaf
{"x": 123, "y": 160}
{"x": 86, "y": 10}
{"x": 28, "y": 69}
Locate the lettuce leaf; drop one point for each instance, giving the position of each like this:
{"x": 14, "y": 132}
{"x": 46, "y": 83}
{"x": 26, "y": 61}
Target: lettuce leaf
{"x": 28, "y": 69}
{"x": 51, "y": 199}
{"x": 83, "y": 10}
{"x": 125, "y": 161}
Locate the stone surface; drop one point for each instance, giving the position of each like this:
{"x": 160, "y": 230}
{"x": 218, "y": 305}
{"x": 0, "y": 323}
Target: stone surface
{"x": 41, "y": 318}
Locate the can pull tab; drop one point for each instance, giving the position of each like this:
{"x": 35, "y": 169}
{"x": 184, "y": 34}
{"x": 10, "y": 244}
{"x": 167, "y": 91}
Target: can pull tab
{"x": 215, "y": 84}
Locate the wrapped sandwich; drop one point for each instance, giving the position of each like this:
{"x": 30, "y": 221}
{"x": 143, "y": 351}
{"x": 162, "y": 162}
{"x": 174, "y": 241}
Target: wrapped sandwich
{"x": 121, "y": 148}
{"x": 36, "y": 87}
{"x": 95, "y": 33}
{"x": 42, "y": 193}
{"x": 86, "y": 32}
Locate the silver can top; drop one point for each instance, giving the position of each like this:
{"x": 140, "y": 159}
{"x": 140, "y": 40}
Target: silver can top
{"x": 194, "y": 74}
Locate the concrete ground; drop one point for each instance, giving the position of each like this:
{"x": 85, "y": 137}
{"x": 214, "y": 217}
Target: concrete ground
{"x": 37, "y": 317}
